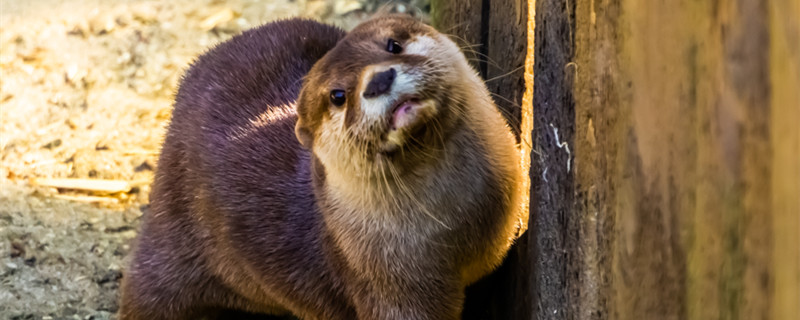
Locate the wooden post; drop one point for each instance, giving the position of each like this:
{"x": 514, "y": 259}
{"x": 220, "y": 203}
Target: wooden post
{"x": 494, "y": 37}
{"x": 679, "y": 172}
{"x": 666, "y": 159}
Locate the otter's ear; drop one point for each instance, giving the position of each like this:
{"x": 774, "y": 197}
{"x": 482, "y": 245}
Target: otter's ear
{"x": 303, "y": 134}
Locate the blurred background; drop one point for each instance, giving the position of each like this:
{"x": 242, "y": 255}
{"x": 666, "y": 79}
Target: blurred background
{"x": 85, "y": 93}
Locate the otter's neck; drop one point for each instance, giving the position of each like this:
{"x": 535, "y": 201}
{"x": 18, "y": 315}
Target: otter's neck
{"x": 458, "y": 173}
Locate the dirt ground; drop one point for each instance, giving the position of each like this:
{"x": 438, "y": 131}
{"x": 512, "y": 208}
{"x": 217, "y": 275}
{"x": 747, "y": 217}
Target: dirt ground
{"x": 85, "y": 92}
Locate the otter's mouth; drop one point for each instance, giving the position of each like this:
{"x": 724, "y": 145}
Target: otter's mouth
{"x": 404, "y": 112}
{"x": 405, "y": 119}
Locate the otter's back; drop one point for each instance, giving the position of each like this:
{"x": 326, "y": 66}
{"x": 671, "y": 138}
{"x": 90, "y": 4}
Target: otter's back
{"x": 255, "y": 72}
{"x": 231, "y": 164}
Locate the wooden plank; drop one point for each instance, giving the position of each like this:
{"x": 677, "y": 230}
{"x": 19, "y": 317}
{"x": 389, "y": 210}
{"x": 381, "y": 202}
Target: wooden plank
{"x": 94, "y": 185}
{"x": 463, "y": 22}
{"x": 506, "y": 43}
{"x": 494, "y": 36}
{"x": 86, "y": 199}
{"x": 506, "y": 293}
{"x": 665, "y": 173}
{"x": 219, "y": 18}
{"x": 551, "y": 173}
{"x": 677, "y": 160}
{"x": 784, "y": 48}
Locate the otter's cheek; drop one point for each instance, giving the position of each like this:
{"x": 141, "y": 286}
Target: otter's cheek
{"x": 329, "y": 142}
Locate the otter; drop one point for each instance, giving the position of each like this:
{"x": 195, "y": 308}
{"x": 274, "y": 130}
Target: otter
{"x": 327, "y": 175}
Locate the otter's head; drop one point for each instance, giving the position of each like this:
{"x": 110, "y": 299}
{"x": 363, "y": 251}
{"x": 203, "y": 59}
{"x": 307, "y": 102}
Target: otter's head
{"x": 385, "y": 98}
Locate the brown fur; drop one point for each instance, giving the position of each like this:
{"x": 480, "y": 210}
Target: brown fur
{"x": 355, "y": 220}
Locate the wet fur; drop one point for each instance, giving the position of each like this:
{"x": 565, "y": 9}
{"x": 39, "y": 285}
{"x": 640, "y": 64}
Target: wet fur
{"x": 243, "y": 216}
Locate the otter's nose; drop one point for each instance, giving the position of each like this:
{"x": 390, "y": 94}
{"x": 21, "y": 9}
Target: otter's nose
{"x": 381, "y": 83}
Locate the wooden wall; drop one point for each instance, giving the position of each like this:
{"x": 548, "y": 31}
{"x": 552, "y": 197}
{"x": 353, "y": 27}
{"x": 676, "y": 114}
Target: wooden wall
{"x": 666, "y": 156}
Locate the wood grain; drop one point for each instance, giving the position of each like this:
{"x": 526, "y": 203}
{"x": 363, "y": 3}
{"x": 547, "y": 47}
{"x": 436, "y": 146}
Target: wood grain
{"x": 665, "y": 162}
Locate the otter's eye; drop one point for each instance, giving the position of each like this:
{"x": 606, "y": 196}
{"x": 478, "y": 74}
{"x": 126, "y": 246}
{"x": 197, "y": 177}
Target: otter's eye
{"x": 338, "y": 97}
{"x": 394, "y": 46}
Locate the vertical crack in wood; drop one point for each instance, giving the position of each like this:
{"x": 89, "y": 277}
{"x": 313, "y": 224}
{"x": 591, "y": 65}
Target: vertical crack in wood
{"x": 484, "y": 45}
